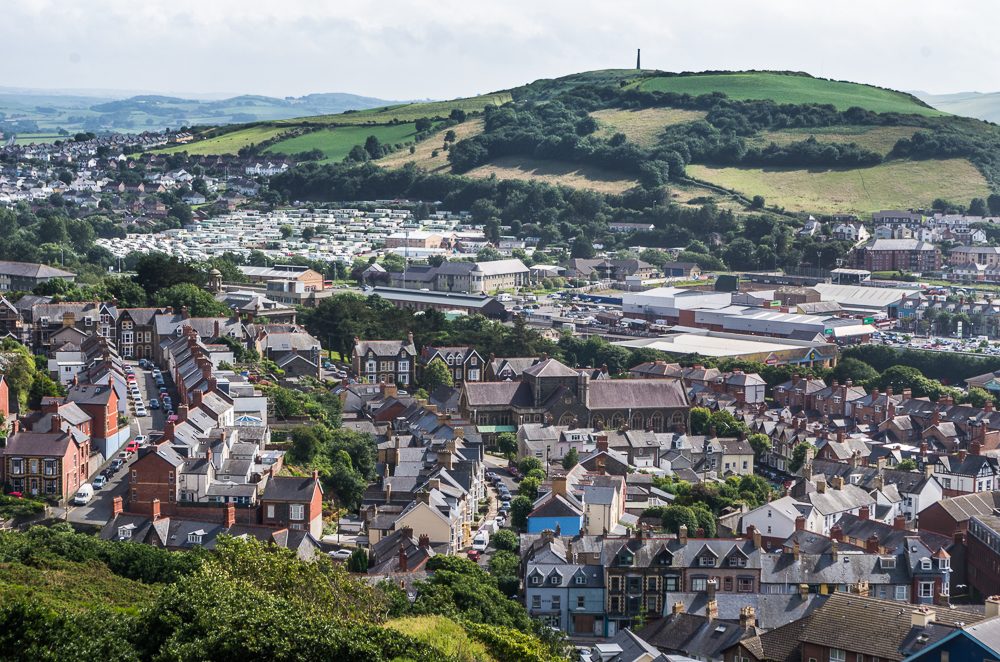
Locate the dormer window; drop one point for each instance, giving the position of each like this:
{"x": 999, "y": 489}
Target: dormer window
{"x": 944, "y": 564}
{"x": 555, "y": 580}
{"x": 737, "y": 562}
{"x": 706, "y": 562}
{"x": 125, "y": 532}
{"x": 194, "y": 538}
{"x": 925, "y": 564}
{"x": 887, "y": 562}
{"x": 626, "y": 559}
{"x": 536, "y": 580}
{"x": 581, "y": 580}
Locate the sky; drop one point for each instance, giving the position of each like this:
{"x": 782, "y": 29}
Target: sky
{"x": 445, "y": 49}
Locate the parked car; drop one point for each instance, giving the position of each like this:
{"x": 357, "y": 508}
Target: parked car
{"x": 140, "y": 439}
{"x": 474, "y": 554}
{"x": 140, "y": 411}
{"x": 154, "y": 403}
{"x": 84, "y": 495}
{"x": 131, "y": 447}
{"x": 340, "y": 554}
{"x": 99, "y": 482}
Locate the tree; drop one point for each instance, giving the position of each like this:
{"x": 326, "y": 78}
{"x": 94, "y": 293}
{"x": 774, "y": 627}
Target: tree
{"x": 758, "y": 202}
{"x": 993, "y": 202}
{"x": 507, "y": 443}
{"x": 857, "y": 371}
{"x": 570, "y": 459}
{"x": 286, "y": 231}
{"x": 676, "y": 516}
{"x": 505, "y": 540}
{"x": 357, "y": 561}
{"x": 308, "y": 233}
{"x": 978, "y": 207}
{"x": 198, "y": 301}
{"x": 458, "y": 115}
{"x": 436, "y": 374}
{"x": 741, "y": 254}
{"x": 906, "y": 465}
{"x": 699, "y": 420}
{"x": 528, "y": 464}
{"x": 393, "y": 263}
{"x": 706, "y": 520}
{"x": 449, "y": 137}
{"x": 799, "y": 456}
{"x": 582, "y": 247}
{"x": 488, "y": 254}
{"x": 357, "y": 154}
{"x": 503, "y": 564}
{"x": 373, "y": 147}
{"x": 305, "y": 445}
{"x": 157, "y": 271}
{"x": 760, "y": 444}
{"x": 520, "y": 508}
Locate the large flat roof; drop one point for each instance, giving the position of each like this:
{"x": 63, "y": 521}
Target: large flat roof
{"x": 716, "y": 344}
{"x": 867, "y": 297}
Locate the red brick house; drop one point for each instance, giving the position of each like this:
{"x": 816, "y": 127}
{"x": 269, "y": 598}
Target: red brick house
{"x": 54, "y": 462}
{"x": 101, "y": 402}
{"x": 295, "y": 503}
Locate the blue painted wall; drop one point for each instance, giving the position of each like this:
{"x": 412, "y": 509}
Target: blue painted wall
{"x": 568, "y": 526}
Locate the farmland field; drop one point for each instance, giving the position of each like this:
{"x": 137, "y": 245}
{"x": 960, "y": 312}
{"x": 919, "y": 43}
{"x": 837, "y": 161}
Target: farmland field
{"x": 643, "y": 127}
{"x": 406, "y": 112}
{"x": 793, "y": 89}
{"x": 336, "y": 142}
{"x": 891, "y": 185}
{"x": 229, "y": 143}
{"x": 879, "y": 139}
{"x": 557, "y": 173}
{"x": 423, "y": 153}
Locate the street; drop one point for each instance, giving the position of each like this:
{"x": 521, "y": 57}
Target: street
{"x": 98, "y": 511}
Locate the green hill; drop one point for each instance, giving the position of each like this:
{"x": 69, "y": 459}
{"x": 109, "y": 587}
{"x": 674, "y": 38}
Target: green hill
{"x": 793, "y": 89}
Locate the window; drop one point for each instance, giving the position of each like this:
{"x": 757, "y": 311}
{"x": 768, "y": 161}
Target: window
{"x": 729, "y": 584}
{"x": 555, "y": 579}
{"x": 944, "y": 564}
{"x": 837, "y": 655}
{"x": 581, "y": 580}
{"x": 888, "y": 562}
{"x": 669, "y": 583}
{"x": 556, "y": 602}
{"x": 50, "y": 467}
{"x": 634, "y": 584}
{"x": 170, "y": 478}
{"x": 135, "y": 494}
{"x": 625, "y": 559}
{"x": 404, "y": 366}
{"x": 17, "y": 466}
{"x": 651, "y": 584}
{"x": 699, "y": 584}
{"x": 270, "y": 511}
{"x": 746, "y": 586}
{"x": 135, "y": 476}
{"x": 536, "y": 602}
{"x": 581, "y": 601}
{"x": 901, "y": 593}
{"x": 194, "y": 538}
{"x": 124, "y": 532}
{"x": 926, "y": 590}
{"x": 616, "y": 583}
{"x": 925, "y": 564}
{"x": 737, "y": 562}
{"x": 34, "y": 466}
{"x": 615, "y": 603}
{"x": 296, "y": 511}
{"x": 706, "y": 562}
{"x": 651, "y": 604}
{"x": 536, "y": 580}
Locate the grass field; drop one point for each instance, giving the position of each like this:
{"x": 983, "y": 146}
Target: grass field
{"x": 336, "y": 142}
{"x": 793, "y": 89}
{"x": 71, "y": 585}
{"x": 229, "y": 143}
{"x": 879, "y": 139}
{"x": 28, "y": 138}
{"x": 643, "y": 127}
{"x": 556, "y": 173}
{"x": 891, "y": 185}
{"x": 408, "y": 112}
{"x": 444, "y": 634}
{"x": 423, "y": 154}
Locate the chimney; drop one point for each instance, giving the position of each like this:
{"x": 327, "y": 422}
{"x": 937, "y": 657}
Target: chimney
{"x": 796, "y": 550}
{"x": 216, "y": 329}
{"x": 821, "y": 486}
{"x": 425, "y": 497}
{"x": 924, "y": 616}
{"x": 988, "y": 405}
{"x": 837, "y": 533}
{"x": 213, "y": 385}
{"x": 559, "y": 485}
{"x": 682, "y": 534}
{"x": 229, "y": 516}
{"x": 714, "y": 434}
{"x": 425, "y": 540}
{"x": 677, "y": 608}
{"x": 747, "y": 618}
{"x": 434, "y": 484}
{"x": 871, "y": 545}
{"x": 710, "y": 587}
{"x": 182, "y": 413}
{"x": 700, "y": 533}
{"x": 833, "y": 549}
{"x": 899, "y": 523}
{"x": 795, "y": 379}
{"x": 155, "y": 515}
{"x": 168, "y": 432}
{"x": 840, "y": 435}
{"x": 388, "y": 493}
{"x": 757, "y": 542}
{"x": 936, "y": 417}
{"x": 907, "y": 393}
{"x": 800, "y": 523}
{"x": 862, "y": 513}
{"x": 804, "y": 591}
{"x": 712, "y": 608}
{"x": 409, "y": 337}
{"x": 888, "y": 392}
{"x": 116, "y": 507}
{"x": 402, "y": 558}
{"x": 975, "y": 447}
{"x": 602, "y": 444}
{"x": 445, "y": 459}
{"x": 184, "y": 312}
{"x": 837, "y": 482}
{"x": 56, "y": 425}
{"x": 196, "y": 398}
{"x": 961, "y": 455}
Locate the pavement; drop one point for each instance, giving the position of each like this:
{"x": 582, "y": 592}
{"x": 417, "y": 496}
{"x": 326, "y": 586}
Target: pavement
{"x": 98, "y": 511}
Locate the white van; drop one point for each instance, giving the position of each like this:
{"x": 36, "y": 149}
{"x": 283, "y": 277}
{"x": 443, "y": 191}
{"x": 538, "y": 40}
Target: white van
{"x": 84, "y": 496}
{"x": 504, "y": 296}
{"x": 481, "y": 541}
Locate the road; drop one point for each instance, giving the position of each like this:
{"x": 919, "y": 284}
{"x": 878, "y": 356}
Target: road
{"x": 98, "y": 511}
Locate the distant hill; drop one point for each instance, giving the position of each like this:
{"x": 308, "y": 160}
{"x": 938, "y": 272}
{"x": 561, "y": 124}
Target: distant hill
{"x": 983, "y": 106}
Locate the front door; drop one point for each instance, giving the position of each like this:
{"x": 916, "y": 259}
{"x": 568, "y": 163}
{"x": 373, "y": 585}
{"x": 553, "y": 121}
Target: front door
{"x": 34, "y": 487}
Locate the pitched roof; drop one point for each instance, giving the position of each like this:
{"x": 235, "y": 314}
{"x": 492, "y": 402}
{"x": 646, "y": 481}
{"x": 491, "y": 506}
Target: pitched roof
{"x": 498, "y": 393}
{"x": 637, "y": 394}
{"x": 550, "y": 368}
{"x": 289, "y": 488}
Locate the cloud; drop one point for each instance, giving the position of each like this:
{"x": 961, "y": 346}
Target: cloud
{"x": 445, "y": 49}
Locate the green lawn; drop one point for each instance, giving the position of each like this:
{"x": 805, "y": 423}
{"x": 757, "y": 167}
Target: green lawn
{"x": 336, "y": 142}
{"x": 793, "y": 89}
{"x": 891, "y": 185}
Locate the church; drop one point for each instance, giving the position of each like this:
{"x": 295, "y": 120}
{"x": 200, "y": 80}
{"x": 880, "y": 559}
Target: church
{"x": 551, "y": 391}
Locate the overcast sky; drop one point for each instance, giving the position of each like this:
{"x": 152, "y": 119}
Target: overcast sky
{"x": 442, "y": 49}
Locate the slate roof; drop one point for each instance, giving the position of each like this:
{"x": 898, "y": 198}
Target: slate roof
{"x": 498, "y": 393}
{"x": 550, "y": 368}
{"x": 385, "y": 347}
{"x": 637, "y": 394}
{"x": 290, "y": 488}
{"x": 692, "y": 635}
{"x": 963, "y": 507}
{"x": 780, "y": 644}
{"x": 771, "y": 611}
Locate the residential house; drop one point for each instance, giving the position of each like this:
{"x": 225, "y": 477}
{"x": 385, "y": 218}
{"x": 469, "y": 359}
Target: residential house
{"x": 464, "y": 363}
{"x": 295, "y": 503}
{"x": 390, "y": 361}
{"x": 53, "y": 461}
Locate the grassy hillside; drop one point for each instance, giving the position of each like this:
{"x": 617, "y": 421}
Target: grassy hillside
{"x": 336, "y": 142}
{"x": 423, "y": 154}
{"x": 880, "y": 139}
{"x": 350, "y": 128}
{"x": 643, "y": 127}
{"x": 891, "y": 185}
{"x": 794, "y": 90}
{"x": 444, "y": 634}
{"x": 74, "y": 586}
